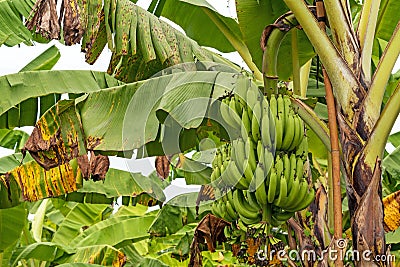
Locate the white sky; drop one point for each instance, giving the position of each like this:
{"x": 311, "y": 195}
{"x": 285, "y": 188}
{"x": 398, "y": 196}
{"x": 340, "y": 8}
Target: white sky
{"x": 14, "y": 58}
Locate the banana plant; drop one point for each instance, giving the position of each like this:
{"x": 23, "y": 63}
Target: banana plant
{"x": 358, "y": 55}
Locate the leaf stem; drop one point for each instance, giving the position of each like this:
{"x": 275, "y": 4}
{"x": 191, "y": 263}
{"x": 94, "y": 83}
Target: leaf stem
{"x": 239, "y": 45}
{"x": 381, "y": 76}
{"x": 378, "y": 139}
{"x": 304, "y": 75}
{"x": 366, "y": 33}
{"x": 295, "y": 64}
{"x": 344, "y": 81}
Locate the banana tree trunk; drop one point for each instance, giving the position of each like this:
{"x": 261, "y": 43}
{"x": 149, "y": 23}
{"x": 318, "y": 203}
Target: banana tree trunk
{"x": 364, "y": 192}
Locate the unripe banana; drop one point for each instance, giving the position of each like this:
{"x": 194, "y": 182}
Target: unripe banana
{"x": 268, "y": 159}
{"x": 279, "y": 165}
{"x": 299, "y": 168}
{"x": 260, "y": 190}
{"x": 242, "y": 206}
{"x": 293, "y": 195}
{"x": 272, "y": 185}
{"x": 225, "y": 113}
{"x": 230, "y": 210}
{"x": 283, "y": 215}
{"x": 273, "y": 106}
{"x": 252, "y": 199}
{"x": 250, "y": 153}
{"x": 280, "y": 122}
{"x": 297, "y": 133}
{"x": 289, "y": 129}
{"x": 280, "y": 201}
{"x": 255, "y": 122}
{"x": 234, "y": 113}
{"x": 252, "y": 95}
{"x": 293, "y": 165}
{"x": 286, "y": 166}
{"x": 245, "y": 125}
{"x": 265, "y": 130}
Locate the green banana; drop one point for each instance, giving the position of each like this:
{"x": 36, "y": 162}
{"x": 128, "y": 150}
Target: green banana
{"x": 225, "y": 113}
{"x": 293, "y": 194}
{"x": 299, "y": 168}
{"x": 245, "y": 125}
{"x": 286, "y": 166}
{"x": 233, "y": 112}
{"x": 297, "y": 133}
{"x": 255, "y": 122}
{"x": 280, "y": 201}
{"x": 289, "y": 131}
{"x": 273, "y": 106}
{"x": 260, "y": 190}
{"x": 272, "y": 185}
{"x": 250, "y": 153}
{"x": 279, "y": 165}
{"x": 268, "y": 159}
{"x": 283, "y": 215}
{"x": 230, "y": 210}
{"x": 243, "y": 207}
{"x": 252, "y": 199}
{"x": 304, "y": 198}
{"x": 249, "y": 221}
{"x": 265, "y": 130}
{"x": 280, "y": 122}
{"x": 251, "y": 98}
{"x": 292, "y": 175}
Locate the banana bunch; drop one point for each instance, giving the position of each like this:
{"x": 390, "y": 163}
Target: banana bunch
{"x": 261, "y": 185}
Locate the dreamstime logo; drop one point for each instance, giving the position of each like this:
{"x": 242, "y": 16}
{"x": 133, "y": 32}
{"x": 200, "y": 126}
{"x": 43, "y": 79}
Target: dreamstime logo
{"x": 331, "y": 253}
{"x": 181, "y": 100}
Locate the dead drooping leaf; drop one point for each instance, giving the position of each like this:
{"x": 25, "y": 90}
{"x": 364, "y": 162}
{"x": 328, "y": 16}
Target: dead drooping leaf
{"x": 162, "y": 166}
{"x": 57, "y": 137}
{"x": 391, "y": 205}
{"x": 319, "y": 210}
{"x": 253, "y": 246}
{"x": 37, "y": 183}
{"x": 99, "y": 165}
{"x": 72, "y": 28}
{"x": 210, "y": 230}
{"x": 44, "y": 20}
{"x": 206, "y": 193}
{"x": 367, "y": 224}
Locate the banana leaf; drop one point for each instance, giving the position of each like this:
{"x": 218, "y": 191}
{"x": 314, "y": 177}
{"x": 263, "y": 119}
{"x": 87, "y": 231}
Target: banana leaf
{"x": 12, "y": 221}
{"x": 30, "y": 85}
{"x": 195, "y": 19}
{"x": 13, "y": 139}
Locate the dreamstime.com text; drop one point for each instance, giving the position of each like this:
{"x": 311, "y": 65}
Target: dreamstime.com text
{"x": 331, "y": 254}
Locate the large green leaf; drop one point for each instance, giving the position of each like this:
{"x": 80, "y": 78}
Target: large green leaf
{"x": 394, "y": 139}
{"x": 101, "y": 255}
{"x": 192, "y": 16}
{"x": 81, "y": 215}
{"x": 114, "y": 231}
{"x": 12, "y": 221}
{"x": 25, "y": 85}
{"x": 135, "y": 110}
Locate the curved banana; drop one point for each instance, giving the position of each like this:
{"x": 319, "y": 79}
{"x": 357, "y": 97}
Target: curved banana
{"x": 230, "y": 210}
{"x": 255, "y": 122}
{"x": 280, "y": 122}
{"x": 297, "y": 133}
{"x": 273, "y": 106}
{"x": 293, "y": 195}
{"x": 303, "y": 189}
{"x": 299, "y": 168}
{"x": 243, "y": 207}
{"x": 225, "y": 113}
{"x": 251, "y": 100}
{"x": 265, "y": 130}
{"x": 292, "y": 175}
{"x": 250, "y": 153}
{"x": 286, "y": 166}
{"x": 260, "y": 190}
{"x": 280, "y": 201}
{"x": 268, "y": 159}
{"x": 245, "y": 124}
{"x": 289, "y": 131}
{"x": 272, "y": 185}
{"x": 283, "y": 215}
{"x": 305, "y": 202}
{"x": 252, "y": 199}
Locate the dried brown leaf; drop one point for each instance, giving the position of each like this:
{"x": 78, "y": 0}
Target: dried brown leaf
{"x": 44, "y": 19}
{"x": 162, "y": 166}
{"x": 391, "y": 205}
{"x": 210, "y": 230}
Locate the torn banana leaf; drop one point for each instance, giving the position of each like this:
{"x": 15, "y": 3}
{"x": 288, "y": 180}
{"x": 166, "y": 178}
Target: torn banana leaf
{"x": 36, "y": 183}
{"x": 28, "y": 87}
{"x": 57, "y": 137}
